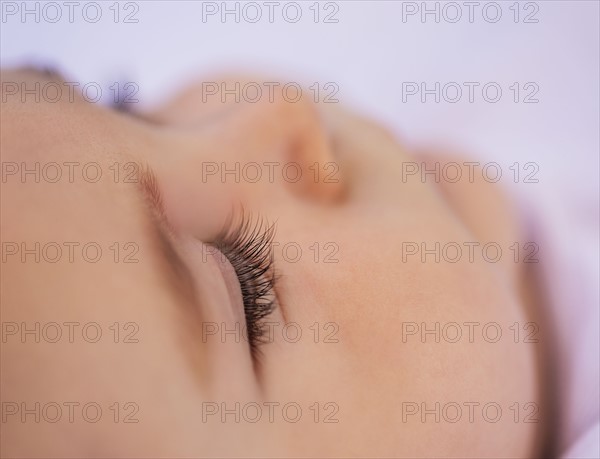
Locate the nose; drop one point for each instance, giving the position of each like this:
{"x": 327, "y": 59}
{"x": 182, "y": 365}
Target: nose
{"x": 218, "y": 153}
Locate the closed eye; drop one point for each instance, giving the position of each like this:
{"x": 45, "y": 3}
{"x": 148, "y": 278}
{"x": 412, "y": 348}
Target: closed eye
{"x": 247, "y": 245}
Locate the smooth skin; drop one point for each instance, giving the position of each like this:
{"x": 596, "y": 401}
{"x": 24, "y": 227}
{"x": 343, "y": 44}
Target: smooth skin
{"x": 370, "y": 375}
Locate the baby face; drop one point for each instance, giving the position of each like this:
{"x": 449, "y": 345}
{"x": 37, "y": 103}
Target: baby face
{"x": 260, "y": 280}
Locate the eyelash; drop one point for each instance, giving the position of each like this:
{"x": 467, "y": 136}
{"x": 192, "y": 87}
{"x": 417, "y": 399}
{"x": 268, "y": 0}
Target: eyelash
{"x": 247, "y": 246}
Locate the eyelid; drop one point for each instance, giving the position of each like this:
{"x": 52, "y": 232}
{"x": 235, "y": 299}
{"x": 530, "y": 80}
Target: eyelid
{"x": 230, "y": 277}
{"x": 177, "y": 271}
{"x": 245, "y": 242}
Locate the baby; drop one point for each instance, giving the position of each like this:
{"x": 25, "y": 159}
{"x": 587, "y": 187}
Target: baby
{"x": 270, "y": 279}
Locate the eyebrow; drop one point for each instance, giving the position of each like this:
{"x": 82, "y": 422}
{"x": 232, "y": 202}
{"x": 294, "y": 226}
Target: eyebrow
{"x": 176, "y": 271}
